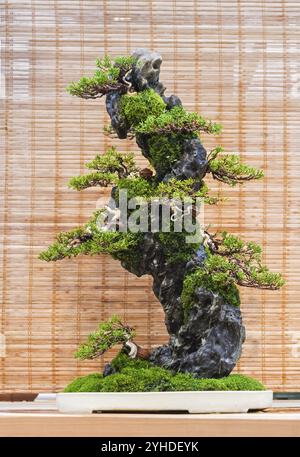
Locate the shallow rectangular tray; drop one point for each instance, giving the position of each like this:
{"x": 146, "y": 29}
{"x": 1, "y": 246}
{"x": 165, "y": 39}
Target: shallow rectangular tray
{"x": 192, "y": 402}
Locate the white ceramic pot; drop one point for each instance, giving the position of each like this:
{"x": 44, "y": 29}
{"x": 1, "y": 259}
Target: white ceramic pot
{"x": 193, "y": 402}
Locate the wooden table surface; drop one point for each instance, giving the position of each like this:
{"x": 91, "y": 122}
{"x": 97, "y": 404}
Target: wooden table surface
{"x": 40, "y": 418}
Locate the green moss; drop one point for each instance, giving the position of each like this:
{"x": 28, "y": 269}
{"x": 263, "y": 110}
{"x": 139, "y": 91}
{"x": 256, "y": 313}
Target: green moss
{"x": 175, "y": 247}
{"x": 120, "y": 382}
{"x": 216, "y": 278}
{"x": 242, "y": 382}
{"x": 166, "y": 149}
{"x": 136, "y": 108}
{"x": 142, "y": 376}
{"x": 233, "y": 382}
{"x": 122, "y": 361}
{"x": 89, "y": 383}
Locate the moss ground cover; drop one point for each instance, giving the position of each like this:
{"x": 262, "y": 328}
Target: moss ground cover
{"x": 134, "y": 375}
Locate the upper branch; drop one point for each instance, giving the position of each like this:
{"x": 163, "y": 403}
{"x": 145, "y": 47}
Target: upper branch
{"x": 110, "y": 76}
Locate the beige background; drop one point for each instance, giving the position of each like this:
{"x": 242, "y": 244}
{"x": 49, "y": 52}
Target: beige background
{"x": 236, "y": 62}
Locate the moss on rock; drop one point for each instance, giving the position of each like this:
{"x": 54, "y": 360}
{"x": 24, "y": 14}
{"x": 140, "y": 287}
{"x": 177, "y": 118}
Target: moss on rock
{"x": 135, "y": 187}
{"x": 216, "y": 275}
{"x": 135, "y": 375}
{"x": 166, "y": 149}
{"x": 136, "y": 108}
{"x": 175, "y": 247}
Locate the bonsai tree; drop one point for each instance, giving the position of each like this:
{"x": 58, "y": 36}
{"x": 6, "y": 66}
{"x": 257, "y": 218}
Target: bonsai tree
{"x": 195, "y": 281}
{"x": 108, "y": 335}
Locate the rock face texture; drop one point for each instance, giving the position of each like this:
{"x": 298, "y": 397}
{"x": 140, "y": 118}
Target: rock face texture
{"x": 208, "y": 342}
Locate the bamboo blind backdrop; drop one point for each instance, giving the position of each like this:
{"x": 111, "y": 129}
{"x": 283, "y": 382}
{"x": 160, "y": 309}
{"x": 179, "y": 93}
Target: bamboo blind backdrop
{"x": 236, "y": 62}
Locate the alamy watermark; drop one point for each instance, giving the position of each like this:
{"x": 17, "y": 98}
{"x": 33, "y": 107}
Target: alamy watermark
{"x": 157, "y": 214}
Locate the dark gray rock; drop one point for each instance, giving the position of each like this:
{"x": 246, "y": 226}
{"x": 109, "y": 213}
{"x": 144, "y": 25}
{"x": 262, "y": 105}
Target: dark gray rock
{"x": 117, "y": 122}
{"x": 193, "y": 163}
{"x": 167, "y": 280}
{"x": 108, "y": 370}
{"x": 209, "y": 342}
{"x": 145, "y": 73}
{"x": 197, "y": 260}
{"x": 171, "y": 101}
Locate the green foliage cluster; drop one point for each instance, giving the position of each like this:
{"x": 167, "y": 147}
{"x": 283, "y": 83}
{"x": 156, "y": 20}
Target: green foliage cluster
{"x": 136, "y": 108}
{"x": 90, "y": 240}
{"x": 93, "y": 179}
{"x": 230, "y": 170}
{"x": 109, "y": 334}
{"x": 229, "y": 262}
{"x": 178, "y": 189}
{"x": 246, "y": 259}
{"x": 176, "y": 120}
{"x": 185, "y": 190}
{"x": 108, "y": 76}
{"x": 114, "y": 161}
{"x": 141, "y": 376}
{"x": 110, "y": 167}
